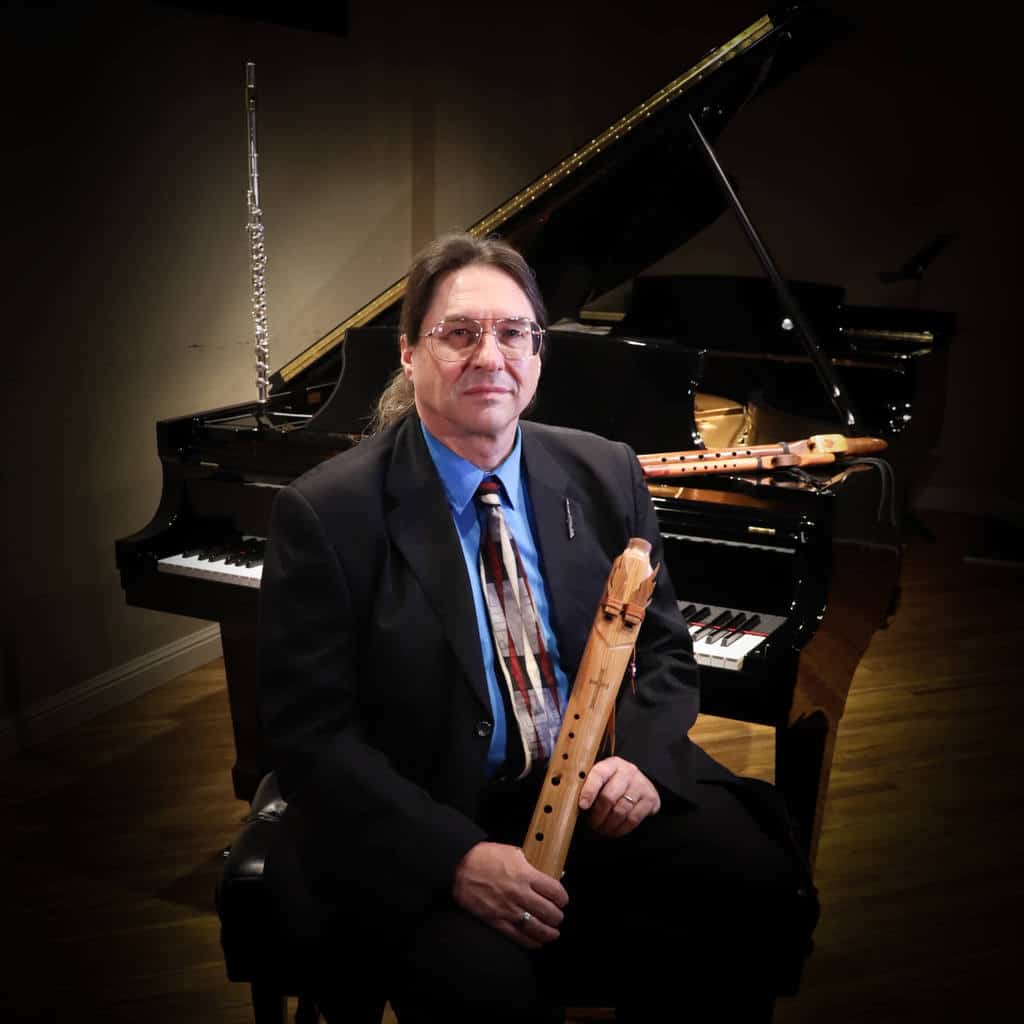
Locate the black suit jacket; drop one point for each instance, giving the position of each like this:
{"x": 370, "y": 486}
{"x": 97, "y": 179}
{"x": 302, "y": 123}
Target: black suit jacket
{"x": 372, "y": 682}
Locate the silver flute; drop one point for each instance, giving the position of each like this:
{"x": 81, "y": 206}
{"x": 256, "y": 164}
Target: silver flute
{"x": 257, "y": 248}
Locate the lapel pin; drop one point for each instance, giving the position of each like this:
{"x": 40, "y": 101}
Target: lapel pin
{"x": 570, "y": 526}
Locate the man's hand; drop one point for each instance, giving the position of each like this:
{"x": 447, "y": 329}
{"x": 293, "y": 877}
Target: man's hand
{"x": 497, "y": 884}
{"x": 619, "y": 796}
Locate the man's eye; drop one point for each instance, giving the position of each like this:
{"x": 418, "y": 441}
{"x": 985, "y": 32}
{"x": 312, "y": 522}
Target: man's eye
{"x": 513, "y": 333}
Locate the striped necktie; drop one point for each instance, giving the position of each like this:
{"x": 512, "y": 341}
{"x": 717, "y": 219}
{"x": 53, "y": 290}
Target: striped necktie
{"x": 520, "y": 653}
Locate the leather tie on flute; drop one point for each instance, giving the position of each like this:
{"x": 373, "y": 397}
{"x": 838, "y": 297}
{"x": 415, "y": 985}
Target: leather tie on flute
{"x": 591, "y": 702}
{"x": 818, "y": 450}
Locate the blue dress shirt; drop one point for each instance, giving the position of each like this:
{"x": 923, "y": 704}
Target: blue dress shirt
{"x": 460, "y": 480}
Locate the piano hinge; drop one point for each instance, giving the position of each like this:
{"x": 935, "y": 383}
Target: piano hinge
{"x": 764, "y": 531}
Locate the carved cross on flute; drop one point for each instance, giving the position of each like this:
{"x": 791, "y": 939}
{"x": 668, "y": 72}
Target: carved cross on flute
{"x": 597, "y": 684}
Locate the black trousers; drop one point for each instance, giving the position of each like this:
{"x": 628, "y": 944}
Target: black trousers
{"x": 702, "y": 912}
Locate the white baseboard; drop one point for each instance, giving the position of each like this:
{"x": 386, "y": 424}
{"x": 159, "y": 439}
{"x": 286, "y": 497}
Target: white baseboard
{"x": 54, "y": 715}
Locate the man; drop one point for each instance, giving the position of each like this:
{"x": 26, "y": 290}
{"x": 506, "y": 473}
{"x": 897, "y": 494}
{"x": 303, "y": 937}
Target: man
{"x": 401, "y": 745}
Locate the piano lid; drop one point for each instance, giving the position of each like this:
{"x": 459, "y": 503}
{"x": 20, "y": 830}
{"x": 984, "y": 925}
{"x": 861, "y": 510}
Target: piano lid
{"x": 581, "y": 386}
{"x": 630, "y": 195}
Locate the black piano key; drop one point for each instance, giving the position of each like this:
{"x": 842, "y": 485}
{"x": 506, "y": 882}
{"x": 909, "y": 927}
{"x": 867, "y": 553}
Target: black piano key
{"x": 688, "y": 611}
{"x": 719, "y": 620}
{"x": 755, "y": 620}
{"x": 244, "y": 551}
{"x": 698, "y": 616}
{"x": 247, "y": 552}
{"x": 735, "y": 623}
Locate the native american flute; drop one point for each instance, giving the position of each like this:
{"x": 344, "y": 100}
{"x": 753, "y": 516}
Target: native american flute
{"x": 819, "y": 450}
{"x": 591, "y": 703}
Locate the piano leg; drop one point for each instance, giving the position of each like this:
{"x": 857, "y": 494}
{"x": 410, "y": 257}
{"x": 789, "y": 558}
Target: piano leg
{"x": 240, "y": 643}
{"x": 803, "y": 763}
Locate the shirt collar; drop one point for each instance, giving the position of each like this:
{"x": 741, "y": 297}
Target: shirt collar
{"x": 461, "y": 478}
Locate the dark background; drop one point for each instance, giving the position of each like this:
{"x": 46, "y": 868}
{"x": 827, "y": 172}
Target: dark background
{"x": 126, "y": 258}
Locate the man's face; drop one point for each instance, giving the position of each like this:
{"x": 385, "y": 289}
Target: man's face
{"x": 478, "y": 401}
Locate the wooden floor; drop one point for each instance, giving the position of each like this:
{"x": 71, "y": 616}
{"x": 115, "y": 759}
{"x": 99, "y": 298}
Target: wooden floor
{"x": 112, "y": 835}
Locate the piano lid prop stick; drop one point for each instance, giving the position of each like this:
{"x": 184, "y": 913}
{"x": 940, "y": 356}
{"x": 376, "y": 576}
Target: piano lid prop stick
{"x": 605, "y": 660}
{"x": 819, "y": 450}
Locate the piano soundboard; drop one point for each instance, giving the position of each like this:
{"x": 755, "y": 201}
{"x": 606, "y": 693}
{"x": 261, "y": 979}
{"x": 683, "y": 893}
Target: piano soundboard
{"x": 723, "y": 637}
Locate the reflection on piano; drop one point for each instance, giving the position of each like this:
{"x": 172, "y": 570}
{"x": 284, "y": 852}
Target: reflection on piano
{"x": 807, "y": 561}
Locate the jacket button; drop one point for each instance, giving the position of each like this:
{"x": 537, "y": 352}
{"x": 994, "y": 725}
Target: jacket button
{"x": 483, "y": 728}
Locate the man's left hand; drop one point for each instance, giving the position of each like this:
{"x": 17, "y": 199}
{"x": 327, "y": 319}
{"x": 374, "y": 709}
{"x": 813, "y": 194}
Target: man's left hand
{"x": 619, "y": 796}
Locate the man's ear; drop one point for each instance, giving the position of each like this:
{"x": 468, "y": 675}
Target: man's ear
{"x": 405, "y": 354}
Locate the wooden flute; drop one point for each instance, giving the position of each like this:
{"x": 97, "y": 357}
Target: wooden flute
{"x": 591, "y": 703}
{"x": 819, "y": 450}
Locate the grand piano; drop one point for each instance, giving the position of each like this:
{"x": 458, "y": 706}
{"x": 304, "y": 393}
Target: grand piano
{"x": 718, "y": 361}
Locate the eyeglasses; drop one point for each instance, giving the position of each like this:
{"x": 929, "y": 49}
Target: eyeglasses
{"x": 454, "y": 341}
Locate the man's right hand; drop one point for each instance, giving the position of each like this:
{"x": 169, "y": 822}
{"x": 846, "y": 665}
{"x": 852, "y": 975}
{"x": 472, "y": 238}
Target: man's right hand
{"x": 499, "y": 885}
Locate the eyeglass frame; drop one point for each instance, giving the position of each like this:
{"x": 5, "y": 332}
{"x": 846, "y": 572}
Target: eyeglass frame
{"x": 537, "y": 335}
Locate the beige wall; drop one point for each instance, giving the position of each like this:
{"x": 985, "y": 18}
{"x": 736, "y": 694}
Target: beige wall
{"x": 128, "y": 263}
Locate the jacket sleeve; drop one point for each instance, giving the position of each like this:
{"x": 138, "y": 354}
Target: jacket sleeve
{"x": 364, "y": 816}
{"x": 656, "y": 710}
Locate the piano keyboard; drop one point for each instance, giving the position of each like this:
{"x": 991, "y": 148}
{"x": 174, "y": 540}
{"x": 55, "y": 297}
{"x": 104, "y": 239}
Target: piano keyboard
{"x": 723, "y": 637}
{"x": 240, "y": 563}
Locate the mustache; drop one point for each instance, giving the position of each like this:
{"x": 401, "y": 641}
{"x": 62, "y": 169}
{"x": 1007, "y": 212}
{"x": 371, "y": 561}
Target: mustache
{"x": 476, "y": 380}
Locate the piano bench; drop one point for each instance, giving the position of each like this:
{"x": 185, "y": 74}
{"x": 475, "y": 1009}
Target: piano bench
{"x": 253, "y": 951}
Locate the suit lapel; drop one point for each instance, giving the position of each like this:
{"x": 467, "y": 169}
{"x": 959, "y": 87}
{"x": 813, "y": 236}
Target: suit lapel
{"x": 562, "y": 523}
{"x": 421, "y": 527}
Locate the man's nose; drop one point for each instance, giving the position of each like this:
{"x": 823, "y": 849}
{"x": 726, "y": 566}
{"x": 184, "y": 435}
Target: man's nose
{"x": 487, "y": 353}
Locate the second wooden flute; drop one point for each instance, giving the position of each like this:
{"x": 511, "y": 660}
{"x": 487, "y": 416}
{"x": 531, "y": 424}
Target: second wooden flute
{"x": 819, "y": 450}
{"x": 605, "y": 660}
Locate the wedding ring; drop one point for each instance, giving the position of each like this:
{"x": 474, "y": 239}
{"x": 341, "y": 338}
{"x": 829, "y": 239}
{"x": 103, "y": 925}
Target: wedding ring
{"x": 626, "y": 796}
{"x": 526, "y": 918}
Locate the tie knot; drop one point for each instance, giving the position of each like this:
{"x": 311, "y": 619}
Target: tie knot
{"x": 489, "y": 491}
